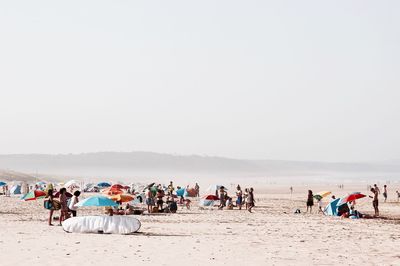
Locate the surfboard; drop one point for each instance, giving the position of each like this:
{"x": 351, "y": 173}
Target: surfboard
{"x": 119, "y": 224}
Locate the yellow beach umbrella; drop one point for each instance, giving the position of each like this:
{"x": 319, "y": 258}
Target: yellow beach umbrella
{"x": 122, "y": 197}
{"x": 322, "y": 194}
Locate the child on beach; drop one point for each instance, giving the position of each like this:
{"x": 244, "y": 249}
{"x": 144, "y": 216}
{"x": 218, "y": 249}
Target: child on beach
{"x": 310, "y": 201}
{"x": 320, "y": 206}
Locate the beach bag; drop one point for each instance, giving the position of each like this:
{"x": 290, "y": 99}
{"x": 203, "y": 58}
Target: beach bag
{"x": 57, "y": 205}
{"x": 47, "y": 205}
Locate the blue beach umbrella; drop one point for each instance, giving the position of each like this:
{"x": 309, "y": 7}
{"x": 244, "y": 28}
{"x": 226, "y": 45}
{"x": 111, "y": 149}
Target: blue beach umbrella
{"x": 104, "y": 184}
{"x": 180, "y": 192}
{"x": 332, "y": 208}
{"x": 97, "y": 201}
{"x": 2, "y": 184}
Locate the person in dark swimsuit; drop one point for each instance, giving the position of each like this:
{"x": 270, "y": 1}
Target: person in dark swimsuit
{"x": 310, "y": 201}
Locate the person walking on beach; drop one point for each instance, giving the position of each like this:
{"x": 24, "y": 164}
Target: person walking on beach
{"x": 74, "y": 200}
{"x": 385, "y": 194}
{"x": 245, "y": 197}
{"x": 239, "y": 195}
{"x": 375, "y": 202}
{"x": 197, "y": 189}
{"x": 250, "y": 199}
{"x": 310, "y": 201}
{"x": 64, "y": 205}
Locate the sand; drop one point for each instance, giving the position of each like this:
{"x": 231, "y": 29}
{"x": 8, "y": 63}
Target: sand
{"x": 272, "y": 235}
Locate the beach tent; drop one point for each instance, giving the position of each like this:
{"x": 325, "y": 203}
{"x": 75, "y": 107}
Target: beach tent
{"x": 208, "y": 200}
{"x": 15, "y": 190}
{"x": 332, "y": 208}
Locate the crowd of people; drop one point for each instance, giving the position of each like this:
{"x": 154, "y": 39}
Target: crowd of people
{"x": 349, "y": 210}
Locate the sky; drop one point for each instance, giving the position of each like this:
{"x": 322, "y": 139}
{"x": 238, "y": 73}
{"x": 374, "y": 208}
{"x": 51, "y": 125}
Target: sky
{"x": 287, "y": 80}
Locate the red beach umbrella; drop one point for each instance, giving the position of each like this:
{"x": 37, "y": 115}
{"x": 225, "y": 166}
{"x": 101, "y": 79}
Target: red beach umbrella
{"x": 352, "y": 197}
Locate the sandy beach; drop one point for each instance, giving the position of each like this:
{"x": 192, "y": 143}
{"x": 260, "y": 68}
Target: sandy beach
{"x": 272, "y": 235}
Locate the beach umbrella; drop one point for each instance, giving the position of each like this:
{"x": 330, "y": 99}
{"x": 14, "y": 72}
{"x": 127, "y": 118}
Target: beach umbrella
{"x": 149, "y": 186}
{"x": 112, "y": 191}
{"x": 72, "y": 184}
{"x": 352, "y": 197}
{"x": 41, "y": 183}
{"x": 322, "y": 194}
{"x": 104, "y": 184}
{"x": 332, "y": 208}
{"x": 33, "y": 195}
{"x": 117, "y": 186}
{"x": 2, "y": 184}
{"x": 180, "y": 192}
{"x": 96, "y": 201}
{"x": 122, "y": 197}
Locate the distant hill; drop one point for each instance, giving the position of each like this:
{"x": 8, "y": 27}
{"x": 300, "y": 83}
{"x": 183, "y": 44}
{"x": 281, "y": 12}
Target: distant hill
{"x": 8, "y": 175}
{"x": 156, "y": 164}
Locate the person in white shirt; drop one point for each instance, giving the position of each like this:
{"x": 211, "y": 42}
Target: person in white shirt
{"x": 74, "y": 200}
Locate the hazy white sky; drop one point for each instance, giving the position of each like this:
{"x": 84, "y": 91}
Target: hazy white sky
{"x": 301, "y": 80}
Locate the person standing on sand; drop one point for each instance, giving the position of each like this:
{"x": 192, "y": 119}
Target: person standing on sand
{"x": 385, "y": 195}
{"x": 64, "y": 204}
{"x": 51, "y": 200}
{"x": 222, "y": 198}
{"x": 171, "y": 187}
{"x": 375, "y": 202}
{"x": 197, "y": 188}
{"x": 250, "y": 199}
{"x": 377, "y": 189}
{"x": 239, "y": 195}
{"x": 310, "y": 201}
{"x": 150, "y": 200}
{"x": 245, "y": 197}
